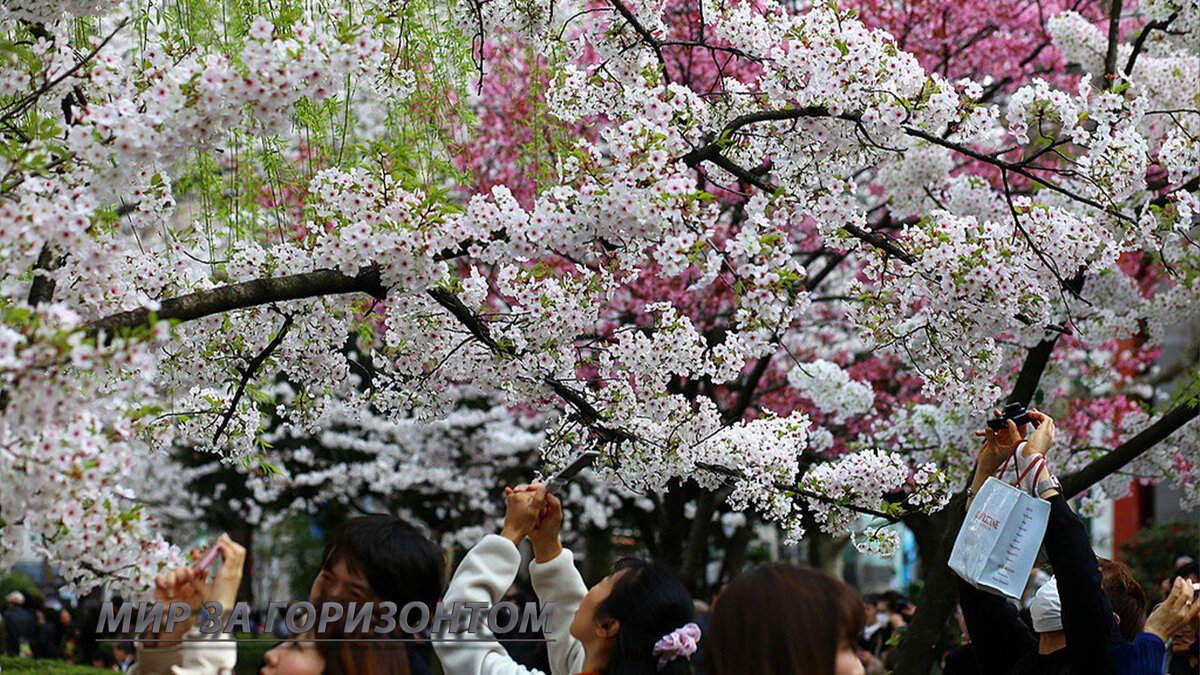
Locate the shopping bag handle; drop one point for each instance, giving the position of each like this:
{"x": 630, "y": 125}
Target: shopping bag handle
{"x": 1035, "y": 465}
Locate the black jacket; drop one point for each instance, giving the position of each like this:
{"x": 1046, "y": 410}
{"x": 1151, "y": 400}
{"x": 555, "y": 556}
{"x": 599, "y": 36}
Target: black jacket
{"x": 1006, "y": 646}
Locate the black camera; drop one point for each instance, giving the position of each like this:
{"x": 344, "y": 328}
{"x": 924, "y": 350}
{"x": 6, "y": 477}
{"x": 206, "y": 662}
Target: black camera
{"x": 1013, "y": 411}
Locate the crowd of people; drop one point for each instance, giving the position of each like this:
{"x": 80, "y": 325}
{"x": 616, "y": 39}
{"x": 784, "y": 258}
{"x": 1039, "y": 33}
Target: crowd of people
{"x": 43, "y": 626}
{"x": 1089, "y": 618}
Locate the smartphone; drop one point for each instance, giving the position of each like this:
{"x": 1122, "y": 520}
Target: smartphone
{"x": 207, "y": 559}
{"x": 583, "y": 461}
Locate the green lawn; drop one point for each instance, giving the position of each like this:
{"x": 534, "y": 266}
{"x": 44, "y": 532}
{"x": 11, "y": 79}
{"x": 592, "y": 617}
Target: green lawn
{"x": 16, "y": 664}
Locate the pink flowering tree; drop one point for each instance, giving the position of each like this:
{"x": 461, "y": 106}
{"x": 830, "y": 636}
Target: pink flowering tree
{"x": 763, "y": 258}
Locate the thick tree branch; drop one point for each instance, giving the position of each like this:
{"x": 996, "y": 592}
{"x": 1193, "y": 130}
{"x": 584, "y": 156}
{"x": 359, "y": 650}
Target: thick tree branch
{"x": 1139, "y": 42}
{"x": 42, "y": 288}
{"x": 246, "y": 294}
{"x": 467, "y": 318}
{"x": 747, "y": 391}
{"x": 1130, "y": 450}
{"x": 1031, "y": 371}
{"x": 707, "y": 152}
{"x": 1114, "y": 41}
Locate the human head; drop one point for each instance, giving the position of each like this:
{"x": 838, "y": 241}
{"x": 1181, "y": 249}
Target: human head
{"x": 1188, "y": 570}
{"x": 628, "y": 612}
{"x": 15, "y": 598}
{"x": 380, "y": 557}
{"x": 895, "y": 603}
{"x": 1127, "y": 597}
{"x": 870, "y": 609}
{"x": 785, "y": 620}
{"x": 123, "y": 651}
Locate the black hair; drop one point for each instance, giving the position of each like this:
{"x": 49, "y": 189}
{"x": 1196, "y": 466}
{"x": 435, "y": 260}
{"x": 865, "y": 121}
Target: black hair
{"x": 649, "y": 602}
{"x": 401, "y": 564}
{"x": 1185, "y": 570}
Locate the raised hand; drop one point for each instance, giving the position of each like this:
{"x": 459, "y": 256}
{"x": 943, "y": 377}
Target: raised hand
{"x": 523, "y": 506}
{"x": 545, "y": 535}
{"x": 992, "y": 454}
{"x": 1042, "y": 438}
{"x": 1177, "y": 612}
{"x": 225, "y": 585}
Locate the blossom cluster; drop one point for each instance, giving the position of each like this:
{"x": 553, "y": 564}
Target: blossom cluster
{"x": 799, "y": 270}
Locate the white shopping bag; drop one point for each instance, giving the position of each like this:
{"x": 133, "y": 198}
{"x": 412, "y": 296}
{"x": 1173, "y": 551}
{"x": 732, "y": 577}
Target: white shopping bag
{"x": 1000, "y": 538}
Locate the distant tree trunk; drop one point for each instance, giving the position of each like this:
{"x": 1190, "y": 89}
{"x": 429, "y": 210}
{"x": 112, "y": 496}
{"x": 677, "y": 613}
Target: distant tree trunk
{"x": 696, "y": 552}
{"x": 735, "y": 551}
{"x": 598, "y": 545}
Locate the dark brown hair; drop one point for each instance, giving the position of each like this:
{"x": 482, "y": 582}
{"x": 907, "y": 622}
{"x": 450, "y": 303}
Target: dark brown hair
{"x": 362, "y": 651}
{"x": 782, "y": 620}
{"x": 1127, "y": 597}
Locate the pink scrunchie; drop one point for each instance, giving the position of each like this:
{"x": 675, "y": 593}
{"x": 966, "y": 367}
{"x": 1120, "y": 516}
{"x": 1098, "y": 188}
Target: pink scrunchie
{"x": 680, "y": 642}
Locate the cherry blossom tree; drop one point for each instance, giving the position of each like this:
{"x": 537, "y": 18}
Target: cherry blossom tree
{"x": 759, "y": 255}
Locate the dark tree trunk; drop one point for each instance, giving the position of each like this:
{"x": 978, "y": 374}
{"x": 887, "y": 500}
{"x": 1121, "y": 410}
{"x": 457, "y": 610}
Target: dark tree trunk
{"x": 920, "y": 648}
{"x": 735, "y": 551}
{"x": 696, "y": 553}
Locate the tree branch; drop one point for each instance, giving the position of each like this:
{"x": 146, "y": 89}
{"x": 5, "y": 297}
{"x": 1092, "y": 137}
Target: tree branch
{"x": 1015, "y": 168}
{"x": 1031, "y": 371}
{"x": 879, "y": 241}
{"x": 645, "y": 34}
{"x": 586, "y": 412}
{"x": 16, "y": 108}
{"x": 746, "y": 394}
{"x": 251, "y": 368}
{"x": 1140, "y": 42}
{"x": 42, "y": 288}
{"x": 799, "y": 492}
{"x": 1077, "y": 482}
{"x": 1114, "y": 41}
{"x": 698, "y": 155}
{"x": 246, "y": 294}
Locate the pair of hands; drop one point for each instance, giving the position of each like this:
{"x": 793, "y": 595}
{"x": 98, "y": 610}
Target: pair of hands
{"x": 532, "y": 512}
{"x": 1179, "y": 611}
{"x": 998, "y": 445}
{"x": 189, "y": 586}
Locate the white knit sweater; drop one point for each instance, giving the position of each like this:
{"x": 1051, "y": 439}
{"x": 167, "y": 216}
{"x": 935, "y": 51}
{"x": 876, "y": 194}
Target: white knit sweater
{"x": 486, "y": 572}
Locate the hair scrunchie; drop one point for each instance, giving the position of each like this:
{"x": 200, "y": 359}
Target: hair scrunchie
{"x": 680, "y": 642}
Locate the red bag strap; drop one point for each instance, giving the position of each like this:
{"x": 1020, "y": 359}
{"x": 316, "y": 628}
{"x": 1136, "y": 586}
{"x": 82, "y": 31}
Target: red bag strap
{"x": 1011, "y": 455}
{"x": 1035, "y": 464}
